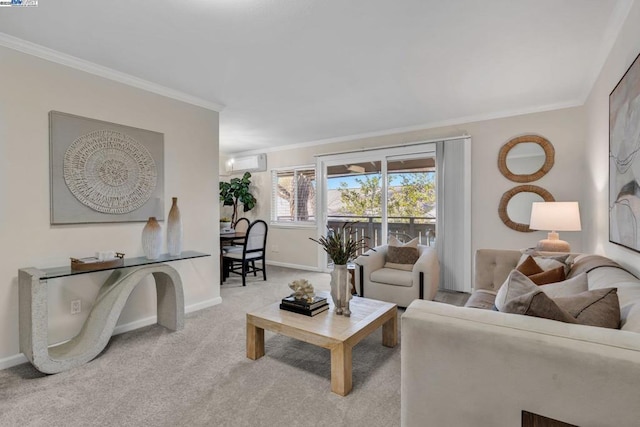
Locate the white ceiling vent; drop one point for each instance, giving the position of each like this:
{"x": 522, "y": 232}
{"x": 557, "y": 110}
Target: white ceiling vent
{"x": 254, "y": 163}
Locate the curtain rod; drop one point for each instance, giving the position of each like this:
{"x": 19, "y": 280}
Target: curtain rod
{"x": 385, "y": 147}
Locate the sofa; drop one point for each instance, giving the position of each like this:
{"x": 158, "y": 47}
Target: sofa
{"x": 376, "y": 280}
{"x": 464, "y": 366}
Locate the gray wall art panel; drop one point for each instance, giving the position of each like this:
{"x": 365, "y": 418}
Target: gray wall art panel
{"x": 104, "y": 172}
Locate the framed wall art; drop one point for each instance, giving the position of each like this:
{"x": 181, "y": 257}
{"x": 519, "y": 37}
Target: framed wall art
{"x": 624, "y": 163}
{"x": 104, "y": 172}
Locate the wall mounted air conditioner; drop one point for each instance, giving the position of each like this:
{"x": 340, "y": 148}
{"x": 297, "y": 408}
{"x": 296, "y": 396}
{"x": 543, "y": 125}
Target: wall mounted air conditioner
{"x": 254, "y": 163}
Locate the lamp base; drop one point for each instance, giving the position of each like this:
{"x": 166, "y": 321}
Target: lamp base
{"x": 554, "y": 245}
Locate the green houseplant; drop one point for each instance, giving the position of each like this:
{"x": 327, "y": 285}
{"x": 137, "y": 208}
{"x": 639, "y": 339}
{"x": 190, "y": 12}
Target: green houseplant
{"x": 341, "y": 245}
{"x": 237, "y": 191}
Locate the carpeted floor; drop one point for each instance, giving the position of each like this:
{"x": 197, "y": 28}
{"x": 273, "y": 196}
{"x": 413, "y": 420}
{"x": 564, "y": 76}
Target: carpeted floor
{"x": 201, "y": 377}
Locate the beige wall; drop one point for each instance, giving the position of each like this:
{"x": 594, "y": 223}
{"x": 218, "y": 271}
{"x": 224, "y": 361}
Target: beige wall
{"x": 596, "y": 190}
{"x": 29, "y": 89}
{"x": 564, "y": 128}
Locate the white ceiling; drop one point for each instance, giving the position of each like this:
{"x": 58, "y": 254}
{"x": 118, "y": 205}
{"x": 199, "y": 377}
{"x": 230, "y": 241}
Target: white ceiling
{"x": 290, "y": 72}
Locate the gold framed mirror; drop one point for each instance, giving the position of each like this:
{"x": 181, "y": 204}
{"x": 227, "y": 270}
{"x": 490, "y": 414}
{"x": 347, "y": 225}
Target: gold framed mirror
{"x": 526, "y": 158}
{"x": 515, "y": 205}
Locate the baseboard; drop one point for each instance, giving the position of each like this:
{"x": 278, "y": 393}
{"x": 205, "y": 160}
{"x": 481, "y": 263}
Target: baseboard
{"x": 202, "y": 305}
{"x": 296, "y": 266}
{"x": 14, "y": 360}
{"x": 152, "y": 320}
{"x": 20, "y": 358}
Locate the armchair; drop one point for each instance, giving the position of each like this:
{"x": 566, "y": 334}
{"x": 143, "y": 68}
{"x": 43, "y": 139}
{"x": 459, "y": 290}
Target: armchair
{"x": 398, "y": 286}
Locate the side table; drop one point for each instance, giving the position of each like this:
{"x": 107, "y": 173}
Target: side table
{"x": 101, "y": 321}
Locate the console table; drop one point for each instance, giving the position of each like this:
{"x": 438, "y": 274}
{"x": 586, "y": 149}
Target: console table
{"x": 101, "y": 321}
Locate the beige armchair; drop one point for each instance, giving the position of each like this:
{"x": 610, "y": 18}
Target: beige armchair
{"x": 398, "y": 286}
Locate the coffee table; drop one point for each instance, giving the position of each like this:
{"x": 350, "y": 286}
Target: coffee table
{"x": 328, "y": 330}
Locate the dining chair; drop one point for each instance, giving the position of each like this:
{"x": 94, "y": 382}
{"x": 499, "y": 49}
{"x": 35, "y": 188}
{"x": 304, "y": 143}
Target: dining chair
{"x": 242, "y": 259}
{"x": 240, "y": 226}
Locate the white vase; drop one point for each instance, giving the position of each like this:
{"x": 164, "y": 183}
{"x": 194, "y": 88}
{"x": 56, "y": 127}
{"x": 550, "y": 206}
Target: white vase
{"x": 340, "y": 289}
{"x": 152, "y": 239}
{"x": 174, "y": 229}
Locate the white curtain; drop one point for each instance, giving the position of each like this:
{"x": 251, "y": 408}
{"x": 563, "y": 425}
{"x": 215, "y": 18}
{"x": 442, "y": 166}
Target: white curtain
{"x": 453, "y": 224}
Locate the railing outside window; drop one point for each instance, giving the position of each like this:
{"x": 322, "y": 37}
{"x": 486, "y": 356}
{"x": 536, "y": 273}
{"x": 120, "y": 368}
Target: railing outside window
{"x": 404, "y": 228}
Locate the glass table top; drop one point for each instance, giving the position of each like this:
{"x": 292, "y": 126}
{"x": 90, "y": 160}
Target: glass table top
{"x": 55, "y": 272}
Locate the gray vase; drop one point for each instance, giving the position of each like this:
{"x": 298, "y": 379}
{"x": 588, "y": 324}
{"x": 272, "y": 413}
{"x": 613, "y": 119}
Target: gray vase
{"x": 340, "y": 289}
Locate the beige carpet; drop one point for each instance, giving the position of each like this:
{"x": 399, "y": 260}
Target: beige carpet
{"x": 201, "y": 377}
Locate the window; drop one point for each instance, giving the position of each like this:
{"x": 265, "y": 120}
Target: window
{"x": 293, "y": 196}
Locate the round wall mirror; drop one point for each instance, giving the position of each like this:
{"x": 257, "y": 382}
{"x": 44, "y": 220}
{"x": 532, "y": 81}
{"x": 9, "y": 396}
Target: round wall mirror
{"x": 515, "y": 205}
{"x": 526, "y": 158}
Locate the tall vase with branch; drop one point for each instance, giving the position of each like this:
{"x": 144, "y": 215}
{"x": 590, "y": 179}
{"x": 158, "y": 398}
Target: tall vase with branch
{"x": 236, "y": 192}
{"x": 342, "y": 245}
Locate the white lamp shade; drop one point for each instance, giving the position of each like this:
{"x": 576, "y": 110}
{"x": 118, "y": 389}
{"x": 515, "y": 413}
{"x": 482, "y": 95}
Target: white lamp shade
{"x": 555, "y": 216}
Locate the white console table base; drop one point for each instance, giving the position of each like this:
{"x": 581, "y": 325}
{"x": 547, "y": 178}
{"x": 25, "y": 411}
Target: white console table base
{"x": 101, "y": 322}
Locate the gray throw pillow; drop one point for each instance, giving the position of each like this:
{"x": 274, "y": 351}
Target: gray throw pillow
{"x": 402, "y": 255}
{"x": 481, "y": 299}
{"x": 599, "y": 307}
{"x": 537, "y": 304}
{"x": 518, "y": 284}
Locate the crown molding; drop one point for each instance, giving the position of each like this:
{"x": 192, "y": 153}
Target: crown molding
{"x": 425, "y": 126}
{"x": 47, "y": 54}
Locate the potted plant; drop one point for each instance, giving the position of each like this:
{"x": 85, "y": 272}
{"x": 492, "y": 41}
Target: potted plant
{"x": 237, "y": 191}
{"x": 342, "y": 246}
{"x": 225, "y": 223}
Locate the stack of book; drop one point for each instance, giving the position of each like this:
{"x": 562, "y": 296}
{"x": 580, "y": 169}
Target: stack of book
{"x": 317, "y": 306}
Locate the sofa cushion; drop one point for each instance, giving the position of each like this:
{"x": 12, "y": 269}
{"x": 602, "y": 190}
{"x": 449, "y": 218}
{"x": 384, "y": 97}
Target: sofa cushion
{"x": 586, "y": 263}
{"x": 390, "y": 276}
{"x": 518, "y": 284}
{"x": 405, "y": 267}
{"x": 628, "y": 293}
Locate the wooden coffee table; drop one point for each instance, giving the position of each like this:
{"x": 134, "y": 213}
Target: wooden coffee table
{"x": 328, "y": 330}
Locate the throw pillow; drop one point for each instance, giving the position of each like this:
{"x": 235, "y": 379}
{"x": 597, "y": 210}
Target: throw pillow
{"x": 393, "y": 241}
{"x": 529, "y": 267}
{"x": 481, "y": 299}
{"x": 536, "y": 303}
{"x": 518, "y": 284}
{"x": 549, "y": 276}
{"x": 599, "y": 307}
{"x": 402, "y": 255}
{"x": 575, "y": 285}
{"x": 547, "y": 261}
{"x": 540, "y": 275}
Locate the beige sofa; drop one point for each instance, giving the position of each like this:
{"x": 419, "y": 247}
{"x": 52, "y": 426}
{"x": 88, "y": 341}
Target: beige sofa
{"x": 397, "y": 286}
{"x": 472, "y": 367}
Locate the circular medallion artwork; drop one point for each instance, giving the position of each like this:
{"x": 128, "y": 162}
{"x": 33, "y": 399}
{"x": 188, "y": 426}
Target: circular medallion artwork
{"x": 109, "y": 172}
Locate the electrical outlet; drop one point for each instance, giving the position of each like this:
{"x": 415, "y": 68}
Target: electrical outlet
{"x": 76, "y": 306}
{"x": 275, "y": 248}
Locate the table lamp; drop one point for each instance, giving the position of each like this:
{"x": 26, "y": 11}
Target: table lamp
{"x": 554, "y": 217}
